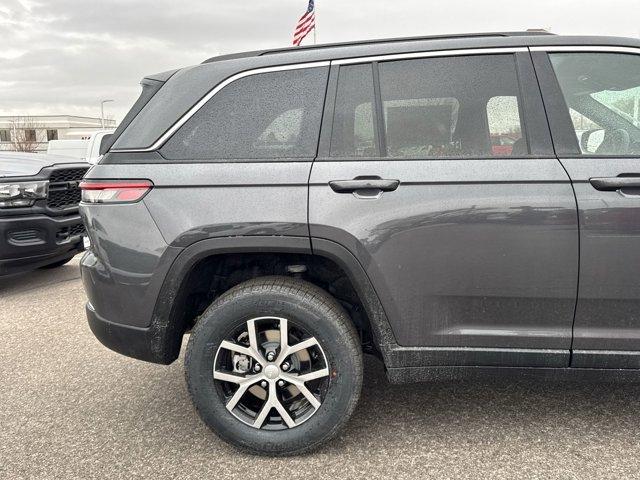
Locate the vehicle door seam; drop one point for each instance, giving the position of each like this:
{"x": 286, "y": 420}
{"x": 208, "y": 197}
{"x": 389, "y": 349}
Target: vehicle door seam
{"x": 575, "y": 198}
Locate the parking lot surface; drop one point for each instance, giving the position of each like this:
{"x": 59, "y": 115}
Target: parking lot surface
{"x": 70, "y": 408}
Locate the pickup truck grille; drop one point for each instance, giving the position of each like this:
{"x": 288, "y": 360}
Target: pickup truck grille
{"x": 64, "y": 191}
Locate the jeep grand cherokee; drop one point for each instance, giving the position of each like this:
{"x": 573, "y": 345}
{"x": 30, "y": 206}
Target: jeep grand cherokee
{"x": 295, "y": 209}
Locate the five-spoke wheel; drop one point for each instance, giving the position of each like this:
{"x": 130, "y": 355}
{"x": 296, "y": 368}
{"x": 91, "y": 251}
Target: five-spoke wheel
{"x": 272, "y": 374}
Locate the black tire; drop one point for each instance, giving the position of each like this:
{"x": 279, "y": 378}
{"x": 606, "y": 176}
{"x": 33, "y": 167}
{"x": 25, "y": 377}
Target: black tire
{"x": 305, "y": 305}
{"x": 57, "y": 264}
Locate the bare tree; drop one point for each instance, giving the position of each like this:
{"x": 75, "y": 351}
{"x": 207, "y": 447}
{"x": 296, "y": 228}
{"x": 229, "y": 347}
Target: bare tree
{"x": 24, "y": 134}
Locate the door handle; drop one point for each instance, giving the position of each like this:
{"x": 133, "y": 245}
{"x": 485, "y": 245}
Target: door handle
{"x": 364, "y": 183}
{"x": 611, "y": 184}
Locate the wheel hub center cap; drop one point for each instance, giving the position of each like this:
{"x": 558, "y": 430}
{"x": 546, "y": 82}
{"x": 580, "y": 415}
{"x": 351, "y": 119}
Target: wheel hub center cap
{"x": 272, "y": 372}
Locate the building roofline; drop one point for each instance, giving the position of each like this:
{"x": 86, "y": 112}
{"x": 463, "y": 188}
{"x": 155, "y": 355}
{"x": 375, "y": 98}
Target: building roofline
{"x": 54, "y": 115}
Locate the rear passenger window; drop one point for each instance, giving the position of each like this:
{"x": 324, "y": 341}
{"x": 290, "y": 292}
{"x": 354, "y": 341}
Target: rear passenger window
{"x": 452, "y": 107}
{"x": 354, "y": 119}
{"x": 602, "y": 92}
{"x": 265, "y": 116}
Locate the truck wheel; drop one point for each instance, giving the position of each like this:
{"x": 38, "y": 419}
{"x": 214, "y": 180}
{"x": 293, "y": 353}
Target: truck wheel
{"x": 274, "y": 366}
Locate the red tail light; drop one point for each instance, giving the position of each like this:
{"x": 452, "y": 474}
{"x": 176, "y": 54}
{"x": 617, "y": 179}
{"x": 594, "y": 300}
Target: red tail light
{"x": 114, "y": 191}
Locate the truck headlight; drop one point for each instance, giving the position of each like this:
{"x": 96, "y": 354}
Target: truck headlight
{"x": 22, "y": 194}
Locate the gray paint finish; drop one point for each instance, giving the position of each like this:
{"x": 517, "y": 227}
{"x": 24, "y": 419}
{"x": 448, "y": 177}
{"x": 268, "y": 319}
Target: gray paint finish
{"x": 127, "y": 263}
{"x": 474, "y": 253}
{"x": 608, "y": 309}
{"x": 192, "y": 202}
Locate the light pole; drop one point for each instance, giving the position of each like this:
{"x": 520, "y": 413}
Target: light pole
{"x": 102, "y": 102}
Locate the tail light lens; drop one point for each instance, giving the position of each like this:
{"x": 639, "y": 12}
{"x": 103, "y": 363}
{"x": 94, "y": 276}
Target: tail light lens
{"x": 114, "y": 191}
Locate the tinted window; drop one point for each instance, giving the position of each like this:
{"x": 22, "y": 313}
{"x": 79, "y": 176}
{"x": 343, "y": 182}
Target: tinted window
{"x": 354, "y": 120}
{"x": 265, "y": 116}
{"x": 447, "y": 107}
{"x": 602, "y": 91}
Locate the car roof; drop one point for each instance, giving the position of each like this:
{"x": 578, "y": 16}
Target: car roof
{"x": 388, "y": 46}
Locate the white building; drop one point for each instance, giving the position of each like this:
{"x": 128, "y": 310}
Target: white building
{"x": 32, "y": 133}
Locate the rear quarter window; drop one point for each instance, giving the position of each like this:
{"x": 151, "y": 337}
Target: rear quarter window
{"x": 264, "y": 116}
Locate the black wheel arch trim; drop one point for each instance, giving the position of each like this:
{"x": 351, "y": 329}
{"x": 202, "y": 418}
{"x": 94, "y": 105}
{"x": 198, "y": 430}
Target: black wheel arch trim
{"x": 165, "y": 331}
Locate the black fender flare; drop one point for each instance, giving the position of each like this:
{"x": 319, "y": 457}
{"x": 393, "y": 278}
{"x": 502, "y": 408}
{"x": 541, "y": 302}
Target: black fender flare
{"x": 166, "y": 331}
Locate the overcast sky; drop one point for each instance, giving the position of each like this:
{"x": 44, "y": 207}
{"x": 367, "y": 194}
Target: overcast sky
{"x": 64, "y": 56}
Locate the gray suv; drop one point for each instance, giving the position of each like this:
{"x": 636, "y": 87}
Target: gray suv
{"x": 453, "y": 205}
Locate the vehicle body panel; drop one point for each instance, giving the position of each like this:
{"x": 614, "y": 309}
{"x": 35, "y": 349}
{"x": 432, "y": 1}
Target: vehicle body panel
{"x": 195, "y": 201}
{"x": 477, "y": 253}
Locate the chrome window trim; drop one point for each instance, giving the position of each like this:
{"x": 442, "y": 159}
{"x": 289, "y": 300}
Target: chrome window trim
{"x": 586, "y": 48}
{"x": 346, "y": 61}
{"x": 434, "y": 53}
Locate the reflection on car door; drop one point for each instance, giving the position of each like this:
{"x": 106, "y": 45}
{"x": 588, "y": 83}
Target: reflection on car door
{"x": 472, "y": 250}
{"x": 593, "y": 99}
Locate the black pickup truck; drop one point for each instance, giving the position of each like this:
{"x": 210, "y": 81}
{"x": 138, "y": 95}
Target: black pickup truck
{"x": 39, "y": 222}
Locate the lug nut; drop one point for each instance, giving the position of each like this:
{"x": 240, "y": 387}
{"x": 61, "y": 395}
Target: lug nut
{"x": 285, "y": 366}
{"x": 271, "y": 356}
{"x": 257, "y": 367}
{"x": 263, "y": 384}
{"x": 281, "y": 383}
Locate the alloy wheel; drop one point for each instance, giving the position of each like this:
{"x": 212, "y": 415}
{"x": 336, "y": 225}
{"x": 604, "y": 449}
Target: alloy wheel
{"x": 271, "y": 373}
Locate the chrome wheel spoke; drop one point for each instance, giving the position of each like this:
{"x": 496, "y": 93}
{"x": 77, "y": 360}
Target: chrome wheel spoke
{"x": 307, "y": 377}
{"x": 283, "y": 413}
{"x": 315, "y": 403}
{"x": 282, "y": 400}
{"x": 308, "y": 343}
{"x": 234, "y": 347}
{"x": 262, "y": 416}
{"x": 229, "y": 377}
{"x": 233, "y": 401}
{"x": 284, "y": 335}
{"x": 291, "y": 349}
{"x": 243, "y": 382}
{"x": 253, "y": 338}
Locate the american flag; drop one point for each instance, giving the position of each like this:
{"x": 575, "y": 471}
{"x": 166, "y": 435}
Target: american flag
{"x": 306, "y": 24}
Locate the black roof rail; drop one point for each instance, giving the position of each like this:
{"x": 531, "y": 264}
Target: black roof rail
{"x": 258, "y": 53}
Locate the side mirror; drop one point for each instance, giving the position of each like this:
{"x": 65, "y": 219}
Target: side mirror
{"x": 591, "y": 140}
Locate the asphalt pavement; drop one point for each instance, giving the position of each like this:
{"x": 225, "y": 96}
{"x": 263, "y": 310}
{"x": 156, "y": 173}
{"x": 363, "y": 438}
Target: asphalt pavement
{"x": 70, "y": 408}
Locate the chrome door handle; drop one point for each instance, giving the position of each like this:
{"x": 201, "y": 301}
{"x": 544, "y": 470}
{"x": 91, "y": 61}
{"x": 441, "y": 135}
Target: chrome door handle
{"x": 611, "y": 184}
{"x": 364, "y": 183}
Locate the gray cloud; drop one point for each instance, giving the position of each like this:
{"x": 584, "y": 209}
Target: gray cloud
{"x": 63, "y": 56}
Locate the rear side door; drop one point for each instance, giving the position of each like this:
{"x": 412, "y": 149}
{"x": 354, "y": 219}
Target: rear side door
{"x": 438, "y": 175}
{"x": 593, "y": 99}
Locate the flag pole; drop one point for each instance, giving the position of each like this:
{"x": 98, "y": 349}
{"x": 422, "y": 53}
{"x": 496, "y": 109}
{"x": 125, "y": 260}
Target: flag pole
{"x": 315, "y": 24}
